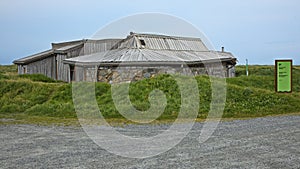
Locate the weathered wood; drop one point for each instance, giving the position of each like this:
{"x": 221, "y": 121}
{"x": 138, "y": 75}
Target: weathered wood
{"x": 44, "y": 67}
{"x": 95, "y": 46}
{"x": 51, "y": 63}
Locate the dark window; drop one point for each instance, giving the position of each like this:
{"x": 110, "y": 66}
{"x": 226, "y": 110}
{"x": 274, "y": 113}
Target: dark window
{"x": 151, "y": 70}
{"x": 142, "y": 42}
{"x": 24, "y": 70}
{"x": 72, "y": 73}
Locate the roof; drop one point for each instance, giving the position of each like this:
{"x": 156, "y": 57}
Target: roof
{"x": 47, "y": 53}
{"x": 161, "y": 42}
{"x": 68, "y": 43}
{"x": 135, "y": 48}
{"x": 64, "y": 47}
{"x": 154, "y": 49}
{"x": 34, "y": 57}
{"x": 148, "y": 56}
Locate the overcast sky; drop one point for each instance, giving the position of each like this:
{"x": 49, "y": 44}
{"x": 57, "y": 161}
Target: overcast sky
{"x": 259, "y": 30}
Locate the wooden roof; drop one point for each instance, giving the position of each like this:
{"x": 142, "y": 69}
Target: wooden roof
{"x": 154, "y": 49}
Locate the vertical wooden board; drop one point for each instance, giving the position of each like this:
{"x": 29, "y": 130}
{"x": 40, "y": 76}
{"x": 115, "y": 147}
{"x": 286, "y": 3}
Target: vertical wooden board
{"x": 60, "y": 66}
{"x": 19, "y": 69}
{"x": 79, "y": 73}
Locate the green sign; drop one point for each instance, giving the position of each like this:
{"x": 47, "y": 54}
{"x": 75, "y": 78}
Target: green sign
{"x": 283, "y": 75}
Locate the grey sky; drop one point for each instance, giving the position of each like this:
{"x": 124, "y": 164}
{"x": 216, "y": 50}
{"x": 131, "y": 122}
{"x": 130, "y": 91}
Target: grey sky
{"x": 260, "y": 30}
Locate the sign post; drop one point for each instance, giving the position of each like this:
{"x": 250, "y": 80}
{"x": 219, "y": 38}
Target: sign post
{"x": 283, "y": 76}
{"x": 247, "y": 71}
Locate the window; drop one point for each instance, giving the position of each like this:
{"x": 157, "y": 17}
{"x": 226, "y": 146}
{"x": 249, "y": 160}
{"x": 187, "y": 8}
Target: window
{"x": 72, "y": 73}
{"x": 24, "y": 70}
{"x": 142, "y": 41}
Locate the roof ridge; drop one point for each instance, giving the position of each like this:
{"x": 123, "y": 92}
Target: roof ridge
{"x": 163, "y": 36}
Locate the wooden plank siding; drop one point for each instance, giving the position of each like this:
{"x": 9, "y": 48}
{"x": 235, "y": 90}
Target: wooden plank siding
{"x": 45, "y": 66}
{"x": 95, "y": 46}
{"x": 63, "y": 69}
{"x": 56, "y": 62}
{"x": 52, "y": 65}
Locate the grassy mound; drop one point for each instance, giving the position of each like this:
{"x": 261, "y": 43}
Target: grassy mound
{"x": 32, "y": 96}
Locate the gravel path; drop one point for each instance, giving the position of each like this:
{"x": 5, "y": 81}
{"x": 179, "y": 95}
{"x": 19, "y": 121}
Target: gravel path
{"x": 271, "y": 142}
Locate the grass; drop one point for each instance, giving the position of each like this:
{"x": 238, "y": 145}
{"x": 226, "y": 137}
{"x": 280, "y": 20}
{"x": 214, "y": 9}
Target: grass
{"x": 37, "y": 99}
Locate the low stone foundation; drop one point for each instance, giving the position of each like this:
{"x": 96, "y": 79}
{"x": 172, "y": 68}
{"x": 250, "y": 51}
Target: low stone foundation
{"x": 126, "y": 74}
{"x": 135, "y": 73}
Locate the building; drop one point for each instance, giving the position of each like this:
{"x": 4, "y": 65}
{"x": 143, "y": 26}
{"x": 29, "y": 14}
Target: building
{"x": 50, "y": 62}
{"x": 135, "y": 57}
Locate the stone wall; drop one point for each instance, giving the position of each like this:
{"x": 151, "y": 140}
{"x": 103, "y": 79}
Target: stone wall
{"x": 127, "y": 74}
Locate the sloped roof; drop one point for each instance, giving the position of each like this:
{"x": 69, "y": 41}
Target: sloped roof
{"x": 135, "y": 48}
{"x": 161, "y": 42}
{"x": 64, "y": 47}
{"x": 34, "y": 57}
{"x": 154, "y": 49}
{"x": 67, "y": 48}
{"x": 148, "y": 56}
{"x": 57, "y": 48}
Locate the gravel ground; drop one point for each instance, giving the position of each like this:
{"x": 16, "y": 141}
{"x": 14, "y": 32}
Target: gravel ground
{"x": 271, "y": 142}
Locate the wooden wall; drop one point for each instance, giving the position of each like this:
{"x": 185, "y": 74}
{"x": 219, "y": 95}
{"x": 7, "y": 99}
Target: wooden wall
{"x": 54, "y": 67}
{"x": 45, "y": 66}
{"x": 64, "y": 69}
{"x": 95, "y": 46}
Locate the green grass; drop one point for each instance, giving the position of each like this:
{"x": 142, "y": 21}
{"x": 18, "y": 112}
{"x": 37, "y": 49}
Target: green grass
{"x": 37, "y": 78}
{"x": 38, "y": 99}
